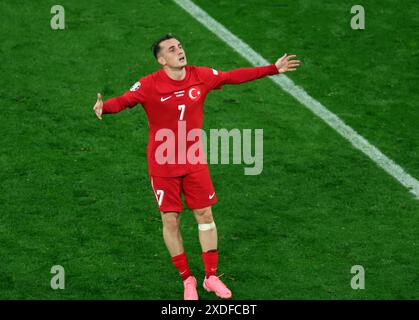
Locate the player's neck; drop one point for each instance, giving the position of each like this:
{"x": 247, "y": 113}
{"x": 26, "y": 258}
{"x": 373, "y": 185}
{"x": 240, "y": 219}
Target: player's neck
{"x": 175, "y": 73}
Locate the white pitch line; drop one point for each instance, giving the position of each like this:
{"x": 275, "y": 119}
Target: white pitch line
{"x": 304, "y": 98}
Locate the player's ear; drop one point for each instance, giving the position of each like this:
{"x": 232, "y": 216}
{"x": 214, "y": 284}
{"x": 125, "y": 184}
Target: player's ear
{"x": 161, "y": 60}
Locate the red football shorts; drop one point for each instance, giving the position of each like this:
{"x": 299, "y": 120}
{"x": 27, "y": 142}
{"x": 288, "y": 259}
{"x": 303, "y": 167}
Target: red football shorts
{"x": 196, "y": 187}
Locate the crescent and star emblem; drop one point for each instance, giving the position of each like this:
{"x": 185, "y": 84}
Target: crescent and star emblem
{"x": 194, "y": 93}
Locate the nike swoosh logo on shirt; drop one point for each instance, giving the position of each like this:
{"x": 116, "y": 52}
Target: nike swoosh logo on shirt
{"x": 211, "y": 196}
{"x": 164, "y": 99}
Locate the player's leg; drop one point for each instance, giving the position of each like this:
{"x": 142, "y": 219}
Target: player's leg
{"x": 208, "y": 238}
{"x": 207, "y": 229}
{"x": 167, "y": 192}
{"x": 171, "y": 232}
{"x": 200, "y": 196}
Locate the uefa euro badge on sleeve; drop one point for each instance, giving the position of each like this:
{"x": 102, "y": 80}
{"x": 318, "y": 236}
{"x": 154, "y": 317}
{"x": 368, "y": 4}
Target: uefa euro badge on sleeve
{"x": 136, "y": 86}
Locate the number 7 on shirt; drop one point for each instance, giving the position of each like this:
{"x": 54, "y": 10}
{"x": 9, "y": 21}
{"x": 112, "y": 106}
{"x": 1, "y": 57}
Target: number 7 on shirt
{"x": 181, "y": 108}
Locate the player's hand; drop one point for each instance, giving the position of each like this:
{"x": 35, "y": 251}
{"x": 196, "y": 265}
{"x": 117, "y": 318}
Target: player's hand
{"x": 285, "y": 63}
{"x": 98, "y": 106}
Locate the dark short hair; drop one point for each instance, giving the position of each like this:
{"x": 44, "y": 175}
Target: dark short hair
{"x": 155, "y": 48}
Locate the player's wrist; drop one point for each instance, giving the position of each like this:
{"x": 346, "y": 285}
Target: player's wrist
{"x": 274, "y": 69}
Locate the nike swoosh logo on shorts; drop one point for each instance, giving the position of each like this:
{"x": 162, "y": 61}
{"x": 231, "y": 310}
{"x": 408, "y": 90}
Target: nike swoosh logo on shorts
{"x": 211, "y": 196}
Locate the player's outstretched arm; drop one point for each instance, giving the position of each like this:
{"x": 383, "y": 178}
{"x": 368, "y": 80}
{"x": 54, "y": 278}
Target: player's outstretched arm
{"x": 98, "y": 107}
{"x": 117, "y": 104}
{"x": 286, "y": 64}
{"x": 241, "y": 75}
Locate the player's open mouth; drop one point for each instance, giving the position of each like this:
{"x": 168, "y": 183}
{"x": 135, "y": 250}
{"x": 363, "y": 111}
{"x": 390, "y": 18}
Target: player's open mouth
{"x": 182, "y": 59}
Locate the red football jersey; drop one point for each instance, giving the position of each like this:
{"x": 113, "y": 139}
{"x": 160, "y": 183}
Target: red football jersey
{"x": 176, "y": 106}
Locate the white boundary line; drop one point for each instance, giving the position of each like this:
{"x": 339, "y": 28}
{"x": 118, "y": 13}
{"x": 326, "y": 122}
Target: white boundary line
{"x": 304, "y": 98}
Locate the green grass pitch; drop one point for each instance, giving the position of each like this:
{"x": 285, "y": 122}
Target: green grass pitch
{"x": 75, "y": 191}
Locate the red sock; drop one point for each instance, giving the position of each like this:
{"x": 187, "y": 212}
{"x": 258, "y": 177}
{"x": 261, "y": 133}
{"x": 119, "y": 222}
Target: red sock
{"x": 181, "y": 263}
{"x": 210, "y": 262}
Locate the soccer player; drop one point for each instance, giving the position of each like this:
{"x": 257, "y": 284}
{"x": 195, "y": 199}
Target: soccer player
{"x": 173, "y": 99}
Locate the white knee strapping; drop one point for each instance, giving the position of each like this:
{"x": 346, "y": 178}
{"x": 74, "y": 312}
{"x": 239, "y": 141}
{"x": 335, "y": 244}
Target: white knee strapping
{"x": 206, "y": 226}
